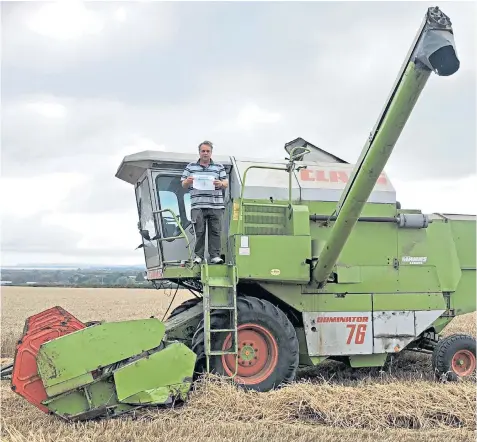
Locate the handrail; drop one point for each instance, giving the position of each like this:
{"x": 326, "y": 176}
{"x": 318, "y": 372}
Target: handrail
{"x": 291, "y": 167}
{"x": 288, "y": 168}
{"x": 240, "y": 220}
{"x": 172, "y": 238}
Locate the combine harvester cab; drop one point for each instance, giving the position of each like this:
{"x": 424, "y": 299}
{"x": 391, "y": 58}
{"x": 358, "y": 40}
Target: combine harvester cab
{"x": 320, "y": 263}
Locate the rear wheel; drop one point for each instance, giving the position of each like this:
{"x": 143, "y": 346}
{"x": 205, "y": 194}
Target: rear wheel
{"x": 454, "y": 357}
{"x": 267, "y": 346}
{"x": 186, "y": 305}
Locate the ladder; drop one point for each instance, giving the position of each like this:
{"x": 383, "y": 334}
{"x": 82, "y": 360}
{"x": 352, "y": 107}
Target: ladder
{"x": 219, "y": 284}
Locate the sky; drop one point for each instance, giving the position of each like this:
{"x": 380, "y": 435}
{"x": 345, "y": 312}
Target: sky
{"x": 84, "y": 84}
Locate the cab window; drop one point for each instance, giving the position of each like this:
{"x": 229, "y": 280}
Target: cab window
{"x": 173, "y": 196}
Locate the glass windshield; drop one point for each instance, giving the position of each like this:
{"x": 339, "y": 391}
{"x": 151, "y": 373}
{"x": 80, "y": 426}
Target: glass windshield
{"x": 145, "y": 208}
{"x": 173, "y": 196}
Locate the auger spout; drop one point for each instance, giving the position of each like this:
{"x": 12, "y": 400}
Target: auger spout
{"x": 433, "y": 50}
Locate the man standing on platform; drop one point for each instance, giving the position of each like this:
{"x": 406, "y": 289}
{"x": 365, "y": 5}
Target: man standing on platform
{"x": 206, "y": 180}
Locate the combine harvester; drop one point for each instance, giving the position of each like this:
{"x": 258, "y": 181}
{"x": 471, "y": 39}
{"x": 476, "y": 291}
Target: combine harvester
{"x": 320, "y": 260}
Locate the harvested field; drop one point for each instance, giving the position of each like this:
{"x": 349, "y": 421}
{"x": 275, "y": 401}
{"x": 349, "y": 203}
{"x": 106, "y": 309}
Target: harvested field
{"x": 327, "y": 403}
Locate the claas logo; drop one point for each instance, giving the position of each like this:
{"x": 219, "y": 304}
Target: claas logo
{"x": 332, "y": 176}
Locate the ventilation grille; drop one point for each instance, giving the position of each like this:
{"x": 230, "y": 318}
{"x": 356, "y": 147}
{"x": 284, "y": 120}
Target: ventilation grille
{"x": 264, "y": 220}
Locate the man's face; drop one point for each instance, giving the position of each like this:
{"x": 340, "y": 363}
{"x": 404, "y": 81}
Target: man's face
{"x": 205, "y": 152}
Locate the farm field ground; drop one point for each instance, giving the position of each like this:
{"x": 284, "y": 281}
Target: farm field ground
{"x": 327, "y": 403}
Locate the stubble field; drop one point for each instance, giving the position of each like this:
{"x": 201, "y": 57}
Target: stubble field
{"x": 327, "y": 403}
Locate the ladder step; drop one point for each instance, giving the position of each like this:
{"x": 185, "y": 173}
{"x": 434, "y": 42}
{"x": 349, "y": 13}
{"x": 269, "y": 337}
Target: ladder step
{"x": 220, "y": 282}
{"x": 220, "y": 353}
{"x": 217, "y": 330}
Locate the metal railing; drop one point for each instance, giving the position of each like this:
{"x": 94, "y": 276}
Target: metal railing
{"x": 173, "y": 238}
{"x": 290, "y": 167}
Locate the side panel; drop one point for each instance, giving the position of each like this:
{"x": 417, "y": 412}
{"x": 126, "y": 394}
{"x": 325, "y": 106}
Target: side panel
{"x": 156, "y": 379}
{"x": 463, "y": 300}
{"x": 338, "y": 333}
{"x": 392, "y": 330}
{"x": 357, "y": 333}
{"x": 257, "y": 257}
{"x": 441, "y": 251}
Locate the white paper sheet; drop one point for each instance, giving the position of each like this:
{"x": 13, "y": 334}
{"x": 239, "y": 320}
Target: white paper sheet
{"x": 203, "y": 182}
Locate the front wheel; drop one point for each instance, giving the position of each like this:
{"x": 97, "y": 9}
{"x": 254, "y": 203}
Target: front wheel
{"x": 268, "y": 348}
{"x": 454, "y": 357}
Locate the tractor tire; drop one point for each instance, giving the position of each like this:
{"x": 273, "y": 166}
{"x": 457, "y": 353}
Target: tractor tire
{"x": 186, "y": 305}
{"x": 263, "y": 329}
{"x": 454, "y": 357}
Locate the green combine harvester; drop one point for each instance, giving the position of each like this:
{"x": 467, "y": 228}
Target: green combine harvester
{"x": 320, "y": 262}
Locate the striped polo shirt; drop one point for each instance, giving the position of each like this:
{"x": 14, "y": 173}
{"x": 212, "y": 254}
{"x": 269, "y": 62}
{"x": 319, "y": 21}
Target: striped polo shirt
{"x": 205, "y": 199}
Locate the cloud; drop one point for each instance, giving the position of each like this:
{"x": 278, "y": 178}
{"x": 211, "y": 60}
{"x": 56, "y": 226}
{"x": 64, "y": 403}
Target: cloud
{"x": 251, "y": 115}
{"x": 65, "y": 21}
{"x": 79, "y": 92}
{"x": 38, "y": 194}
{"x": 59, "y": 36}
{"x": 31, "y": 234}
{"x": 47, "y": 110}
{"x": 438, "y": 196}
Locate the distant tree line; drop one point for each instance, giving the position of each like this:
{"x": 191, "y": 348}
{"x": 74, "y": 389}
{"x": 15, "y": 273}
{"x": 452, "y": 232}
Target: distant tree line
{"x": 75, "y": 278}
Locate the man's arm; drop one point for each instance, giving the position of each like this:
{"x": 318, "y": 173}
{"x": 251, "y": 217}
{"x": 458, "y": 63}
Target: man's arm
{"x": 223, "y": 182}
{"x": 186, "y": 178}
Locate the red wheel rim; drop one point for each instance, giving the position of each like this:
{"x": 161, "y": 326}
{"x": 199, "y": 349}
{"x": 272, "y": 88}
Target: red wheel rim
{"x": 257, "y": 354}
{"x": 463, "y": 363}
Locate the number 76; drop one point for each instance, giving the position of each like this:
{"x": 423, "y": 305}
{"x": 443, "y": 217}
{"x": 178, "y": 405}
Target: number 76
{"x": 359, "y": 335}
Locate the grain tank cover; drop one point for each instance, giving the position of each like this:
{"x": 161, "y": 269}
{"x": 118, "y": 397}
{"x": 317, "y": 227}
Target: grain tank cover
{"x": 319, "y": 181}
{"x": 314, "y": 154}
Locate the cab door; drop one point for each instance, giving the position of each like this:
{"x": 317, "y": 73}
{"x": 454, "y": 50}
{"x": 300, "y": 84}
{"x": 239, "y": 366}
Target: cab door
{"x": 171, "y": 195}
{"x": 147, "y": 225}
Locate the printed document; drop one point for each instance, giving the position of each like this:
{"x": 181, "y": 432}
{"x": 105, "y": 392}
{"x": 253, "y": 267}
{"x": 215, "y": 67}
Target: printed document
{"x": 203, "y": 182}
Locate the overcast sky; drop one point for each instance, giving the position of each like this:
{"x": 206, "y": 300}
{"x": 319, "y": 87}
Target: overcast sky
{"x": 84, "y": 84}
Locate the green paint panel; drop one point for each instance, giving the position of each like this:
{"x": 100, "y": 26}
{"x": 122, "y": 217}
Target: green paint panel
{"x": 155, "y": 379}
{"x": 68, "y": 385}
{"x": 463, "y": 300}
{"x": 220, "y": 296}
{"x": 418, "y": 278}
{"x": 304, "y": 358}
{"x": 262, "y": 262}
{"x": 369, "y": 244}
{"x": 375, "y": 360}
{"x": 373, "y": 279}
{"x": 370, "y": 209}
{"x": 409, "y": 301}
{"x": 175, "y": 272}
{"x": 75, "y": 405}
{"x": 351, "y": 302}
{"x": 441, "y": 252}
{"x": 441, "y": 323}
{"x": 464, "y": 234}
{"x": 386, "y": 279}
{"x": 64, "y": 363}
{"x": 348, "y": 275}
{"x": 324, "y": 302}
{"x": 316, "y": 360}
{"x": 300, "y": 221}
